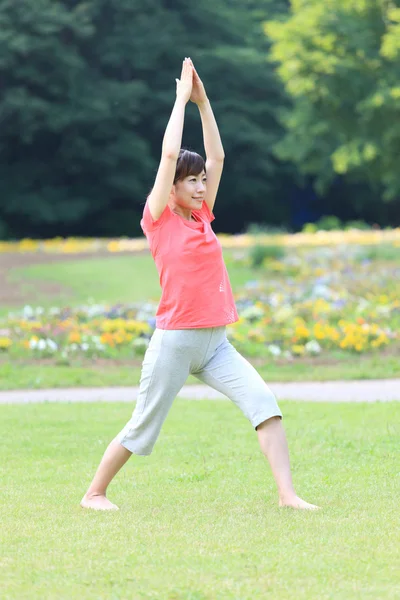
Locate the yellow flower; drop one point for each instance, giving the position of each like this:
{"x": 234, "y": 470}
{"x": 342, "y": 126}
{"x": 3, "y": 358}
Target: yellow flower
{"x": 29, "y": 325}
{"x": 301, "y": 331}
{"x": 5, "y": 343}
{"x": 120, "y": 337}
{"x": 298, "y": 349}
{"x": 113, "y": 246}
{"x": 28, "y": 245}
{"x": 74, "y": 337}
{"x": 322, "y": 306}
{"x": 107, "y": 339}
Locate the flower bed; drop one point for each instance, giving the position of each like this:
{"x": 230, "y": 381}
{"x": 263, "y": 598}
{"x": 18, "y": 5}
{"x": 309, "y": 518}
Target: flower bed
{"x": 330, "y": 238}
{"x": 312, "y": 301}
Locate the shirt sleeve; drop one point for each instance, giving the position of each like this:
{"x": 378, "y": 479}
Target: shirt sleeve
{"x": 148, "y": 224}
{"x": 206, "y": 213}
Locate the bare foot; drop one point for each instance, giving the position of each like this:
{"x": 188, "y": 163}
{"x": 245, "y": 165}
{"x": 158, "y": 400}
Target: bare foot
{"x": 97, "y": 502}
{"x": 296, "y": 502}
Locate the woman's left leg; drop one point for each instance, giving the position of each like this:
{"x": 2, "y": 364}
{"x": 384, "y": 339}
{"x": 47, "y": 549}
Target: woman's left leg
{"x": 231, "y": 374}
{"x": 273, "y": 443}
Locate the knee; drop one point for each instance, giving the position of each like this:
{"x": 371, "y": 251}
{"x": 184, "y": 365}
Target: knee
{"x": 268, "y": 422}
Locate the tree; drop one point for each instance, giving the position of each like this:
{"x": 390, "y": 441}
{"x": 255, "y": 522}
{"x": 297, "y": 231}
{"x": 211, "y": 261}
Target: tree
{"x": 86, "y": 90}
{"x": 339, "y": 61}
{"x": 67, "y": 142}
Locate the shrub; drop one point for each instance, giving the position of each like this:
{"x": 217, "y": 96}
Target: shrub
{"x": 264, "y": 228}
{"x": 329, "y": 223}
{"x": 309, "y": 228}
{"x": 259, "y": 253}
{"x": 357, "y": 225}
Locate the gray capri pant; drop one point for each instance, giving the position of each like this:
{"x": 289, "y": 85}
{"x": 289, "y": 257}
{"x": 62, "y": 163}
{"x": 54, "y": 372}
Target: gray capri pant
{"x": 208, "y": 355}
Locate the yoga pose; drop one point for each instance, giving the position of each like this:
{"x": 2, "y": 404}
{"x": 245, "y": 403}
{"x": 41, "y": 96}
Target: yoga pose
{"x": 195, "y": 307}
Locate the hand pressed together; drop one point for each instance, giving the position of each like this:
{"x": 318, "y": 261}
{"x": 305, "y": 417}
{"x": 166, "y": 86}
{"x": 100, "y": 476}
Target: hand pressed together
{"x": 198, "y": 92}
{"x": 189, "y": 86}
{"x": 184, "y": 85}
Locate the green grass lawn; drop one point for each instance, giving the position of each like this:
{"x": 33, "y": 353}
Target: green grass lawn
{"x": 110, "y": 279}
{"x": 199, "y": 518}
{"x": 19, "y": 375}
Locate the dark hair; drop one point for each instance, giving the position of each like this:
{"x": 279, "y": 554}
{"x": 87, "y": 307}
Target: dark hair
{"x": 188, "y": 163}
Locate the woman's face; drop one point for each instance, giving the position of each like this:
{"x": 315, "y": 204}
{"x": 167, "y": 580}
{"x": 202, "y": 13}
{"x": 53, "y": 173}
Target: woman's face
{"x": 189, "y": 193}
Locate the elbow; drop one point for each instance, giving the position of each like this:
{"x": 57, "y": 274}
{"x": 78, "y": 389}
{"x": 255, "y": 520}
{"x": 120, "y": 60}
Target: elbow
{"x": 170, "y": 154}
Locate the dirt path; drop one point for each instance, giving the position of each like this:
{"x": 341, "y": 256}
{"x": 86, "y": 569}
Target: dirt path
{"x": 386, "y": 390}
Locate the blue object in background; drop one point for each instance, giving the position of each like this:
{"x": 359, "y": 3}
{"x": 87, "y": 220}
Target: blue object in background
{"x": 302, "y": 203}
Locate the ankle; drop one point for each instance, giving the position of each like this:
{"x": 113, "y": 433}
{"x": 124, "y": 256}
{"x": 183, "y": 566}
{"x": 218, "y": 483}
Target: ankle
{"x": 94, "y": 494}
{"x": 287, "y": 495}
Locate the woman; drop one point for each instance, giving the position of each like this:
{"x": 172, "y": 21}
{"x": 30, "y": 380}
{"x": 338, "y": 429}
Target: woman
{"x": 195, "y": 307}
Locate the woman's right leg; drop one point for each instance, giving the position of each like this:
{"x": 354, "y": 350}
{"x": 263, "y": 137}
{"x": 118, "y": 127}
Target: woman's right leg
{"x": 165, "y": 369}
{"x": 114, "y": 458}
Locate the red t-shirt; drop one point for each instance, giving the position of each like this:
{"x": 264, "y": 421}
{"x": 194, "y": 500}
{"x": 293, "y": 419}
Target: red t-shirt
{"x": 196, "y": 291}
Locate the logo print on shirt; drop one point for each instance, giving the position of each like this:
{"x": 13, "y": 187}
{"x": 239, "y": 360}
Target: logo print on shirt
{"x": 221, "y": 287}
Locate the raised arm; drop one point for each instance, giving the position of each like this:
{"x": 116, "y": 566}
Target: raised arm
{"x": 159, "y": 195}
{"x": 212, "y": 141}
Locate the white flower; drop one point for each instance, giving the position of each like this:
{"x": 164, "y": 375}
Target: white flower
{"x": 41, "y": 345}
{"x": 274, "y": 350}
{"x": 32, "y": 344}
{"x": 313, "y": 347}
{"x": 28, "y": 311}
{"x": 85, "y": 346}
{"x": 274, "y": 300}
{"x": 52, "y": 345}
{"x": 321, "y": 291}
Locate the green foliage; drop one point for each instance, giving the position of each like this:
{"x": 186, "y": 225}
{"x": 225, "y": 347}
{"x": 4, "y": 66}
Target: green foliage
{"x": 87, "y": 88}
{"x": 339, "y": 62}
{"x": 260, "y": 253}
{"x": 87, "y": 91}
{"x": 309, "y": 228}
{"x": 68, "y": 115}
{"x": 357, "y": 225}
{"x": 329, "y": 223}
{"x": 332, "y": 222}
{"x": 386, "y": 252}
{"x": 264, "y": 228}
